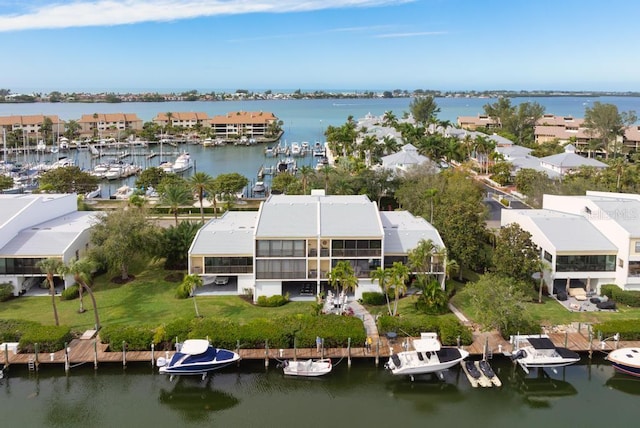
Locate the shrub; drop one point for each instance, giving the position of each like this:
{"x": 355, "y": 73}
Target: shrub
{"x": 624, "y": 297}
{"x": 49, "y": 338}
{"x": 12, "y": 330}
{"x": 373, "y": 298}
{"x": 6, "y": 291}
{"x": 447, "y": 327}
{"x": 628, "y": 329}
{"x": 70, "y": 293}
{"x": 136, "y": 338}
{"x": 272, "y": 301}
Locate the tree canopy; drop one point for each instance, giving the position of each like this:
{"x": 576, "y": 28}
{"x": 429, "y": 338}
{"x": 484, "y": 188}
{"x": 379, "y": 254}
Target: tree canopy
{"x": 68, "y": 179}
{"x": 121, "y": 237}
{"x": 424, "y": 109}
{"x": 515, "y": 255}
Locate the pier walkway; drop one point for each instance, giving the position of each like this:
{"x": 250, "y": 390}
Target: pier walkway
{"x": 91, "y": 351}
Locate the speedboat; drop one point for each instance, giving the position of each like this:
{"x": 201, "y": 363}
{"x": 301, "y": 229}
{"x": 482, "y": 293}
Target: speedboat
{"x": 307, "y": 367}
{"x": 196, "y": 357}
{"x": 259, "y": 187}
{"x": 539, "y": 351}
{"x": 626, "y": 360}
{"x": 427, "y": 356}
{"x": 295, "y": 149}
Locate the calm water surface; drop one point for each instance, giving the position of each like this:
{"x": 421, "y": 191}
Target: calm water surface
{"x": 588, "y": 395}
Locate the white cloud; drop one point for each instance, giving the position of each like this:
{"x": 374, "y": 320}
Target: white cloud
{"x": 84, "y": 13}
{"x": 417, "y": 34}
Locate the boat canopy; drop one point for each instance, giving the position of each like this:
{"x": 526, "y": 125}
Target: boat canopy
{"x": 194, "y": 346}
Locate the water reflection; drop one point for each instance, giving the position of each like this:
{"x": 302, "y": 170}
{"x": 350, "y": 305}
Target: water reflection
{"x": 426, "y": 393}
{"x": 194, "y": 399}
{"x": 624, "y": 383}
{"x": 540, "y": 389}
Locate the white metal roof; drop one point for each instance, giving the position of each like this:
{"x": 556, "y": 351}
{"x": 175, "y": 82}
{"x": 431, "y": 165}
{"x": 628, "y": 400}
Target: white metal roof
{"x": 403, "y": 231}
{"x": 569, "y": 232}
{"x": 50, "y": 238}
{"x": 298, "y": 216}
{"x": 231, "y": 234}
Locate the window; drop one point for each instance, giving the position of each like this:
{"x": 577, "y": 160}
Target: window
{"x": 548, "y": 257}
{"x": 593, "y": 263}
{"x": 637, "y": 246}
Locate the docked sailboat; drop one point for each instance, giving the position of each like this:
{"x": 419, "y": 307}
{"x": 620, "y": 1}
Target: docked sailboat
{"x": 307, "y": 368}
{"x": 427, "y": 356}
{"x": 196, "y": 357}
{"x": 539, "y": 351}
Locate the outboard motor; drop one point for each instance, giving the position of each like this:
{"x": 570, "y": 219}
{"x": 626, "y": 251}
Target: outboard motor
{"x": 520, "y": 354}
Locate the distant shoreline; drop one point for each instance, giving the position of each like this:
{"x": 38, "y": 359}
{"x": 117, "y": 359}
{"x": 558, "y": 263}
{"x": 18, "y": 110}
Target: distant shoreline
{"x": 55, "y": 97}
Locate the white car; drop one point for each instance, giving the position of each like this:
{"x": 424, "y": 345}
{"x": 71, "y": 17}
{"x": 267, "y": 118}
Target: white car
{"x": 221, "y": 280}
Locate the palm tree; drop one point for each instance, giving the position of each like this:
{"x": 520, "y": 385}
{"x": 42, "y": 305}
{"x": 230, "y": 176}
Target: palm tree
{"x": 305, "y": 172}
{"x": 51, "y": 267}
{"x": 200, "y": 183}
{"x": 81, "y": 270}
{"x": 175, "y": 196}
{"x": 382, "y": 276}
{"x": 398, "y": 282}
{"x": 189, "y": 285}
{"x": 342, "y": 275}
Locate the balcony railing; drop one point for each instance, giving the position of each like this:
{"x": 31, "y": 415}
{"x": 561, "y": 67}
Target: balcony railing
{"x": 281, "y": 275}
{"x": 342, "y": 252}
{"x": 228, "y": 269}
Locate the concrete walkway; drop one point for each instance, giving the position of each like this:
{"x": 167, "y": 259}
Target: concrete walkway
{"x": 368, "y": 320}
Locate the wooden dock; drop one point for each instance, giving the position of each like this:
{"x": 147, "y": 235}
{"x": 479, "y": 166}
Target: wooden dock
{"x": 91, "y": 351}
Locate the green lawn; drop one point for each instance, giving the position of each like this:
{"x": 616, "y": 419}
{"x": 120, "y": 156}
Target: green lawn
{"x": 550, "y": 312}
{"x": 149, "y": 300}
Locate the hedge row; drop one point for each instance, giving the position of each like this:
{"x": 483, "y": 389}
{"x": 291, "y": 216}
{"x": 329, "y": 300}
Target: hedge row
{"x": 13, "y": 330}
{"x": 284, "y": 332}
{"x": 373, "y": 298}
{"x": 628, "y": 329}
{"x": 623, "y": 297}
{"x": 50, "y": 338}
{"x": 448, "y": 328}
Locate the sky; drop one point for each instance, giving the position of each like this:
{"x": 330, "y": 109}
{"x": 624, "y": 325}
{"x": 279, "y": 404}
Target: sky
{"x": 175, "y": 45}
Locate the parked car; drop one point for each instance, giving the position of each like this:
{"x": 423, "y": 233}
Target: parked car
{"x": 221, "y": 280}
{"x": 308, "y": 290}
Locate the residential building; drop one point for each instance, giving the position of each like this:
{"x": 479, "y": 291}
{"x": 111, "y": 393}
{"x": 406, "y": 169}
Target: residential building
{"x": 472, "y": 123}
{"x": 587, "y": 241}
{"x": 408, "y": 157}
{"x": 31, "y": 125}
{"x": 187, "y": 119}
{"x": 111, "y": 125}
{"x": 295, "y": 240}
{"x": 239, "y": 124}
{"x": 34, "y": 227}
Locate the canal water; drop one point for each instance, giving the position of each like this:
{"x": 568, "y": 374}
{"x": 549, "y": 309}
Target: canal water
{"x": 585, "y": 395}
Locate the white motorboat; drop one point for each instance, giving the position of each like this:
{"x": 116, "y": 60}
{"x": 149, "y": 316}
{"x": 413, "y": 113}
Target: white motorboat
{"x": 307, "y": 368}
{"x": 114, "y": 172}
{"x": 123, "y": 192}
{"x": 427, "y": 356}
{"x": 259, "y": 187}
{"x": 318, "y": 149}
{"x": 626, "y": 360}
{"x": 295, "y": 149}
{"x": 196, "y": 357}
{"x": 539, "y": 351}
{"x": 182, "y": 163}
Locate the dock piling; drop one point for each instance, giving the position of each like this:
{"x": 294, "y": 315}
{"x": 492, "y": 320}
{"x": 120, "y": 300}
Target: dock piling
{"x": 349, "y": 352}
{"x": 266, "y": 353}
{"x": 152, "y": 355}
{"x": 35, "y": 358}
{"x": 124, "y": 353}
